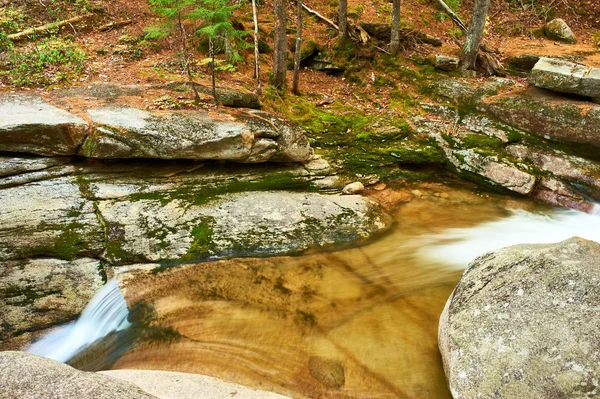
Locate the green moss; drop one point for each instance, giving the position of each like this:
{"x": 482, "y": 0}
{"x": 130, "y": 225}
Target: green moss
{"x": 481, "y": 141}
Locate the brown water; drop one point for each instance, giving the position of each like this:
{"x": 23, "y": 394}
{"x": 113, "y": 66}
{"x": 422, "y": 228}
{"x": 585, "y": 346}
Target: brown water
{"x": 356, "y": 323}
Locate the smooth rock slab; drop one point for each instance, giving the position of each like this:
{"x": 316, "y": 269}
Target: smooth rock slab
{"x": 27, "y": 376}
{"x": 29, "y": 124}
{"x": 122, "y": 132}
{"x": 567, "y": 122}
{"x": 243, "y": 224}
{"x": 523, "y": 322}
{"x": 10, "y": 165}
{"x": 48, "y": 218}
{"x": 566, "y": 77}
{"x": 39, "y": 293}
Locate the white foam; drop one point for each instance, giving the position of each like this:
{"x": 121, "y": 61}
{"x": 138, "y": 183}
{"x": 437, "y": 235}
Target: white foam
{"x": 106, "y": 312}
{"x": 459, "y": 246}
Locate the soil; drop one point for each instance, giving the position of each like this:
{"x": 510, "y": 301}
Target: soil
{"x": 118, "y": 57}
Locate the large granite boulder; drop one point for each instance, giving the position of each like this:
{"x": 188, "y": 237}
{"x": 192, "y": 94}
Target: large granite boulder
{"x": 244, "y": 224}
{"x": 29, "y": 124}
{"x": 523, "y": 323}
{"x": 566, "y": 77}
{"x": 557, "y": 29}
{"x": 121, "y": 132}
{"x": 27, "y": 376}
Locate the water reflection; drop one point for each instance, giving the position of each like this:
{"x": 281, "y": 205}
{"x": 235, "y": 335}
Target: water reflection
{"x": 357, "y": 323}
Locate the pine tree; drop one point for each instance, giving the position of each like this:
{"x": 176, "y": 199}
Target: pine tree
{"x": 175, "y": 12}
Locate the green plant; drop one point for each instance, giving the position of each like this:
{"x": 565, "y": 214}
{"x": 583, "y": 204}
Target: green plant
{"x": 53, "y": 61}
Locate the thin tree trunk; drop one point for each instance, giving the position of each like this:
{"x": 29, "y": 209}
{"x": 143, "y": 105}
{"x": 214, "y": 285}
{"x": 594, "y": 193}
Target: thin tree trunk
{"x": 186, "y": 60}
{"x": 211, "y": 49}
{"x": 256, "y": 52}
{"x": 343, "y": 16}
{"x": 280, "y": 50}
{"x": 298, "y": 50}
{"x": 395, "y": 40}
{"x": 474, "y": 35}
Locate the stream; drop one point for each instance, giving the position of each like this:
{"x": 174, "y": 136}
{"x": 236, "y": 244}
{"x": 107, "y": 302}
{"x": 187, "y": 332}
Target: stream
{"x": 352, "y": 323}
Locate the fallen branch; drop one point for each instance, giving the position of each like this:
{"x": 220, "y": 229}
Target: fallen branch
{"x": 316, "y": 14}
{"x": 455, "y": 18}
{"x": 45, "y": 28}
{"x": 114, "y": 25}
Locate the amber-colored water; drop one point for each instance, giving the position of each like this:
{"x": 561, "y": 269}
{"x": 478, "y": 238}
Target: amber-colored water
{"x": 356, "y": 323}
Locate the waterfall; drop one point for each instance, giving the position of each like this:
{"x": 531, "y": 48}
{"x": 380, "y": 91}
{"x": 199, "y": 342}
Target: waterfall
{"x": 107, "y": 312}
{"x": 459, "y": 246}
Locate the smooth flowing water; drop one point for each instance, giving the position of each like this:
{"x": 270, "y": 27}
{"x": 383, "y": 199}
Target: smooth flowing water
{"x": 355, "y": 323}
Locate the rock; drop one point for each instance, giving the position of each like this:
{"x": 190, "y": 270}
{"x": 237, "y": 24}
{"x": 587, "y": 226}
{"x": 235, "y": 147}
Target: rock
{"x": 39, "y": 293}
{"x": 227, "y": 96}
{"x": 48, "y": 218}
{"x": 558, "y": 193}
{"x": 50, "y": 173}
{"x": 523, "y": 323}
{"x": 578, "y": 170}
{"x": 121, "y": 132}
{"x": 383, "y": 32}
{"x": 234, "y": 225}
{"x": 29, "y": 124}
{"x": 524, "y": 62}
{"x": 557, "y": 29}
{"x": 27, "y": 376}
{"x": 495, "y": 172}
{"x": 12, "y": 165}
{"x": 446, "y": 63}
{"x": 566, "y": 77}
{"x": 328, "y": 372}
{"x": 353, "y": 188}
{"x": 572, "y": 122}
{"x": 169, "y": 384}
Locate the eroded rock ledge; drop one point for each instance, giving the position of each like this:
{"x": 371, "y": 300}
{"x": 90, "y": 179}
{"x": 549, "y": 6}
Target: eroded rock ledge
{"x": 29, "y": 124}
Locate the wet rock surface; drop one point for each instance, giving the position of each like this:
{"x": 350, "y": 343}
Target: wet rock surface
{"x": 27, "y": 376}
{"x": 523, "y": 322}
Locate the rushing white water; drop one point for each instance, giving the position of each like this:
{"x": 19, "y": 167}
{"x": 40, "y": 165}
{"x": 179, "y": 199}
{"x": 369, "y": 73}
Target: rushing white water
{"x": 459, "y": 246}
{"x": 107, "y": 312}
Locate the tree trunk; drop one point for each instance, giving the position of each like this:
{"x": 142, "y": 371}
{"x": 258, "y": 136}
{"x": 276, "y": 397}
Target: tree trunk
{"x": 280, "y": 50}
{"x": 297, "y": 54}
{"x": 474, "y": 35}
{"x": 343, "y": 35}
{"x": 211, "y": 49}
{"x": 256, "y": 52}
{"x": 186, "y": 60}
{"x": 395, "y": 40}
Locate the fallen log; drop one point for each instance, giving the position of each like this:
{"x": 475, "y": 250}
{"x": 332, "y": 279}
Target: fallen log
{"x": 27, "y": 33}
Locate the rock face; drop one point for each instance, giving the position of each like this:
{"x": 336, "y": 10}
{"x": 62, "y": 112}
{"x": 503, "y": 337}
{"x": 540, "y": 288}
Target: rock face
{"x": 245, "y": 224}
{"x": 566, "y": 77}
{"x": 38, "y": 293}
{"x": 557, "y": 29}
{"x": 28, "y": 124}
{"x": 133, "y": 133}
{"x": 568, "y": 122}
{"x": 523, "y": 323}
{"x": 27, "y": 376}
{"x": 31, "y": 125}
